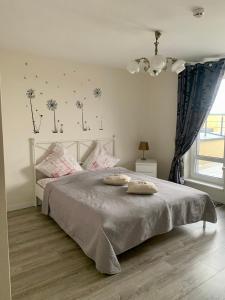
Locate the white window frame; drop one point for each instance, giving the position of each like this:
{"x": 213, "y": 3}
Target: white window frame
{"x": 205, "y": 178}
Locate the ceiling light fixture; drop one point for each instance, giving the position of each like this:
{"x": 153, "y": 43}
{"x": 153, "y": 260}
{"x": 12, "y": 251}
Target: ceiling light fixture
{"x": 156, "y": 63}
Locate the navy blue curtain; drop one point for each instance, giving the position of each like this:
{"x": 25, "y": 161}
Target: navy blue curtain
{"x": 197, "y": 88}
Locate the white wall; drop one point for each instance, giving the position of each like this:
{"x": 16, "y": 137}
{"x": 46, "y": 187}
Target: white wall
{"x": 120, "y": 106}
{"x": 133, "y": 107}
{"x": 158, "y": 124}
{"x": 4, "y": 251}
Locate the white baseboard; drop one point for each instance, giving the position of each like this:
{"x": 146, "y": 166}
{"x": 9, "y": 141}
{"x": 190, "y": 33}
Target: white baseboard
{"x": 16, "y": 206}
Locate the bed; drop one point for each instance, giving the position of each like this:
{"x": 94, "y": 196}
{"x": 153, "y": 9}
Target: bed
{"x": 106, "y": 221}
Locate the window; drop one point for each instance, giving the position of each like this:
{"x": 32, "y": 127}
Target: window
{"x": 207, "y": 153}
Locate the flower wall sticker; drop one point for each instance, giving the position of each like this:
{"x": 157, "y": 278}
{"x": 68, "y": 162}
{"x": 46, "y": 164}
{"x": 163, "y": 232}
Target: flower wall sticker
{"x": 84, "y": 126}
{"x": 31, "y": 95}
{"x": 52, "y": 106}
{"x": 100, "y": 122}
{"x": 61, "y": 128}
{"x": 94, "y": 92}
{"x": 97, "y": 92}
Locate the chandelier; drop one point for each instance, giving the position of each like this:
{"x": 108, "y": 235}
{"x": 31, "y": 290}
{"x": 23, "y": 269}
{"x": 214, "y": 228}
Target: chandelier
{"x": 156, "y": 63}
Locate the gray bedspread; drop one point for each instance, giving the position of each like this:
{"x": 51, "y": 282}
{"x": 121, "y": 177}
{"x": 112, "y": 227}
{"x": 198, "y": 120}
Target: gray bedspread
{"x": 106, "y": 221}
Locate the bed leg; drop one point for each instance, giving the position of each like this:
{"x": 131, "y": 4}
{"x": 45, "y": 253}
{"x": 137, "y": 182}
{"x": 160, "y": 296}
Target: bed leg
{"x": 204, "y": 225}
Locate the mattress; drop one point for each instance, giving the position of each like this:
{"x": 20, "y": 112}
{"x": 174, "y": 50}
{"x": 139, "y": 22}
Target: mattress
{"x": 40, "y": 186}
{"x": 44, "y": 181}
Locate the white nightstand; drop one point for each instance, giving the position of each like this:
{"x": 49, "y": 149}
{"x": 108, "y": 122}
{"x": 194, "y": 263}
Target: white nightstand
{"x": 148, "y": 167}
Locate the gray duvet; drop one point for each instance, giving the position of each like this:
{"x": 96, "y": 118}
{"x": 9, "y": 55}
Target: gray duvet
{"x": 106, "y": 221}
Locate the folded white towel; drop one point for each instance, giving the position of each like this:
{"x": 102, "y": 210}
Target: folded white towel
{"x": 117, "y": 179}
{"x": 142, "y": 187}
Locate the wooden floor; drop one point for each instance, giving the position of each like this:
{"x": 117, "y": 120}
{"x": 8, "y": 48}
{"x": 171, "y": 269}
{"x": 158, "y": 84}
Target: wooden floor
{"x": 46, "y": 264}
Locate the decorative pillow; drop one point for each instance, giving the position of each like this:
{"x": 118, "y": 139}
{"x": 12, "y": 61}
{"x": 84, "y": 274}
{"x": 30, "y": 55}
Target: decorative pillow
{"x": 60, "y": 150}
{"x": 141, "y": 187}
{"x": 58, "y": 163}
{"x": 100, "y": 158}
{"x": 118, "y": 179}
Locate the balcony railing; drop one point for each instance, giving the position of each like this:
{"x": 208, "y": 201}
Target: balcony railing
{"x": 213, "y": 127}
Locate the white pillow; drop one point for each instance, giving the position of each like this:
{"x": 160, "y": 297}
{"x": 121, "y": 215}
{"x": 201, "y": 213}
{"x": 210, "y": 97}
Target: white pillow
{"x": 60, "y": 150}
{"x": 117, "y": 179}
{"x": 100, "y": 158}
{"x": 58, "y": 163}
{"x": 141, "y": 187}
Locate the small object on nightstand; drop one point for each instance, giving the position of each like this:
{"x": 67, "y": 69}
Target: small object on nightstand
{"x": 144, "y": 147}
{"x": 147, "y": 167}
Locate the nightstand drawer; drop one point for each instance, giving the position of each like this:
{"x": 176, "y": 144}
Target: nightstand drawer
{"x": 148, "y": 167}
{"x": 145, "y": 168}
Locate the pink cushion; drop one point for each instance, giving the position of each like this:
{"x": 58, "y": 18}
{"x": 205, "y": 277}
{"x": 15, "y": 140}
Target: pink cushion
{"x": 58, "y": 163}
{"x": 100, "y": 158}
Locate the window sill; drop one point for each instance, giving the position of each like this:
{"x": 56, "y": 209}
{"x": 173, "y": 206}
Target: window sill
{"x": 204, "y": 183}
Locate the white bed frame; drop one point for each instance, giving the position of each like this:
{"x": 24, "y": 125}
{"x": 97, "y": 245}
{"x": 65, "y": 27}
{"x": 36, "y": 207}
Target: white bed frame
{"x": 78, "y": 148}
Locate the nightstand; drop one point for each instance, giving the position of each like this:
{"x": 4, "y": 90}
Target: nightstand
{"x": 148, "y": 167}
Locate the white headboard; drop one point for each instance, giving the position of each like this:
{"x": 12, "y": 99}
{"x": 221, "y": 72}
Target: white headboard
{"x": 78, "y": 148}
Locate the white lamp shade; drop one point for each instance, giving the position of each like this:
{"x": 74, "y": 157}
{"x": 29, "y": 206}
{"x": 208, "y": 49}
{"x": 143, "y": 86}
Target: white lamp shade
{"x": 143, "y": 65}
{"x": 133, "y": 67}
{"x": 178, "y": 66}
{"x": 154, "y": 73}
{"x": 157, "y": 62}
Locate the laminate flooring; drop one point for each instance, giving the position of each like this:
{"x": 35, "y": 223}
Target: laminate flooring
{"x": 186, "y": 263}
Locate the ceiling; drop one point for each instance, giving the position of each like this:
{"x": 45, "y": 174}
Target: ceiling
{"x": 112, "y": 32}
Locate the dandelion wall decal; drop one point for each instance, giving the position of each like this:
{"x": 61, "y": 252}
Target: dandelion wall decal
{"x": 101, "y": 124}
{"x": 61, "y": 128}
{"x": 31, "y": 95}
{"x": 97, "y": 92}
{"x": 79, "y": 104}
{"x": 40, "y": 119}
{"x": 84, "y": 125}
{"x": 52, "y": 106}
